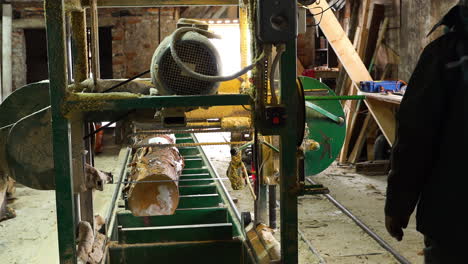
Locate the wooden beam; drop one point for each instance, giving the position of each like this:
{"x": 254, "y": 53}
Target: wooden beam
{"x": 7, "y": 83}
{"x": 341, "y": 44}
{"x": 355, "y": 68}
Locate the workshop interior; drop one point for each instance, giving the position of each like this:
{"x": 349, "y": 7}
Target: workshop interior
{"x": 286, "y": 91}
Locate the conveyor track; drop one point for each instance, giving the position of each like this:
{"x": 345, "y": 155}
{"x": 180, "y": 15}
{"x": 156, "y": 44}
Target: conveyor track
{"x": 205, "y": 228}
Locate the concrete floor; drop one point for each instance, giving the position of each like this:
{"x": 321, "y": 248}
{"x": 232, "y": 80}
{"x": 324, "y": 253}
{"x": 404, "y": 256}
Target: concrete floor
{"x": 31, "y": 237}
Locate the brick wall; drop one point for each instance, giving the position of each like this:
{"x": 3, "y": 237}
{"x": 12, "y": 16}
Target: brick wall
{"x": 18, "y": 58}
{"x": 136, "y": 32}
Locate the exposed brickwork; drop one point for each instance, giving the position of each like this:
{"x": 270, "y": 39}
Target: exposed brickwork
{"x": 18, "y": 57}
{"x": 135, "y": 35}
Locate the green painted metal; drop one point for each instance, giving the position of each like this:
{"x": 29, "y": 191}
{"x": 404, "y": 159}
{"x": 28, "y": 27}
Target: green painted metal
{"x": 195, "y": 176}
{"x": 202, "y": 232}
{"x": 334, "y": 98}
{"x": 199, "y": 200}
{"x": 270, "y": 146}
{"x": 146, "y": 102}
{"x": 288, "y": 162}
{"x": 195, "y": 170}
{"x": 204, "y": 213}
{"x": 192, "y": 182}
{"x": 324, "y": 112}
{"x": 329, "y": 133}
{"x": 198, "y": 189}
{"x": 184, "y": 140}
{"x": 206, "y": 252}
{"x": 56, "y": 50}
{"x": 234, "y": 215}
{"x": 192, "y": 163}
{"x": 188, "y": 151}
{"x": 181, "y": 217}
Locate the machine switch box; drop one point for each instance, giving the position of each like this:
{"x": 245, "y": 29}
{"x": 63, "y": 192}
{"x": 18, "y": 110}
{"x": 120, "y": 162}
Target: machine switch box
{"x": 277, "y": 21}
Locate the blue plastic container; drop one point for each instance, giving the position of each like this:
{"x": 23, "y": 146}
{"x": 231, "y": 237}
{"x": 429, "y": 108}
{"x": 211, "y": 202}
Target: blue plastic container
{"x": 381, "y": 86}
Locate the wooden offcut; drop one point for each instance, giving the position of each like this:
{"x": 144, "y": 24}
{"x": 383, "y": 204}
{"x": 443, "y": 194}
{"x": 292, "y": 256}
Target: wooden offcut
{"x": 153, "y": 187}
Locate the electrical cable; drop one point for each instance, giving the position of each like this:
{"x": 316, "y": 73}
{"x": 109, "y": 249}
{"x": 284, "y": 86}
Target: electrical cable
{"x": 321, "y": 12}
{"x": 127, "y": 81}
{"x": 109, "y": 124}
{"x": 191, "y": 73}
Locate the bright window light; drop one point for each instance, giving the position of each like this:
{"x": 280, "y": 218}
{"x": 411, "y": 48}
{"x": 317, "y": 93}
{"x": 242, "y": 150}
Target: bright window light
{"x": 228, "y": 46}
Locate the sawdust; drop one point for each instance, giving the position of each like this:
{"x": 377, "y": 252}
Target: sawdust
{"x": 94, "y": 101}
{"x": 236, "y": 122}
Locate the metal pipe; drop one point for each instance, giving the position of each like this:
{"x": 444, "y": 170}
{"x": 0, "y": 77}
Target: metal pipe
{"x": 365, "y": 228}
{"x": 328, "y": 98}
{"x": 311, "y": 248}
{"x": 117, "y": 191}
{"x": 334, "y": 118}
{"x": 270, "y": 146}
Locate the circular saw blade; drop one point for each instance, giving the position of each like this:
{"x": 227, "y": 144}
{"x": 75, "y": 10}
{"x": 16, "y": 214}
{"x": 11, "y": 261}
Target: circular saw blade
{"x": 329, "y": 134}
{"x": 26, "y": 142}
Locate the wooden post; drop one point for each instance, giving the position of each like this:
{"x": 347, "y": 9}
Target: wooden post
{"x": 6, "y": 51}
{"x": 153, "y": 188}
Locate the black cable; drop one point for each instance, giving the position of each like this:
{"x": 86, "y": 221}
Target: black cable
{"x": 110, "y": 123}
{"x": 323, "y": 11}
{"x": 127, "y": 81}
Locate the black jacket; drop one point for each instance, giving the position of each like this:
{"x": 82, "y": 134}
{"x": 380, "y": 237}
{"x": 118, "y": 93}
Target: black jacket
{"x": 430, "y": 155}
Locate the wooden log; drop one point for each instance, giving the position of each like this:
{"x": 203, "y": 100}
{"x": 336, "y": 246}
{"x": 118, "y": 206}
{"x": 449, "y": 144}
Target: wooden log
{"x": 373, "y": 168}
{"x": 153, "y": 189}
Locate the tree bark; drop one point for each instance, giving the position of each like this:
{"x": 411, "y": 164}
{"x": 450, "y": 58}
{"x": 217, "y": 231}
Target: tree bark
{"x": 153, "y": 188}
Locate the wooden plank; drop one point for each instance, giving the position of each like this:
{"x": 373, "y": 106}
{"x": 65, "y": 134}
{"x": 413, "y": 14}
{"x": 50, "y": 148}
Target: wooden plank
{"x": 378, "y": 167}
{"x": 341, "y": 44}
{"x": 181, "y": 217}
{"x": 353, "y": 158}
{"x": 300, "y": 68}
{"x": 355, "y": 68}
{"x": 7, "y": 86}
{"x": 370, "y": 139}
{"x": 384, "y": 114}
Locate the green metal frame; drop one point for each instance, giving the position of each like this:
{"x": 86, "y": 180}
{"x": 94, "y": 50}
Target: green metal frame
{"x": 289, "y": 184}
{"x": 56, "y": 17}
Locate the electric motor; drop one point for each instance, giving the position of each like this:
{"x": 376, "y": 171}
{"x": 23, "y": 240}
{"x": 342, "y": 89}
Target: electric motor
{"x": 196, "y": 52}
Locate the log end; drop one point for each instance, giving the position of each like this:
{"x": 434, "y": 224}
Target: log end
{"x": 154, "y": 198}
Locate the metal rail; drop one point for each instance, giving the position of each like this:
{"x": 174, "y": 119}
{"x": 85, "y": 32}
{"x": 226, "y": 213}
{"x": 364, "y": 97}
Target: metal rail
{"x": 365, "y": 228}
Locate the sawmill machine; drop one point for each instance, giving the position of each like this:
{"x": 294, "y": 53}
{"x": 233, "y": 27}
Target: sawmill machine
{"x": 295, "y": 128}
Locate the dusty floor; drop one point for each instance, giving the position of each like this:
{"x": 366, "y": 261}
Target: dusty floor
{"x": 31, "y": 237}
